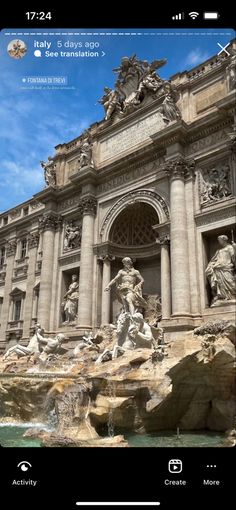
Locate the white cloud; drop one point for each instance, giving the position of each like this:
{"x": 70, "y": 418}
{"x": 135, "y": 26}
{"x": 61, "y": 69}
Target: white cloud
{"x": 195, "y": 57}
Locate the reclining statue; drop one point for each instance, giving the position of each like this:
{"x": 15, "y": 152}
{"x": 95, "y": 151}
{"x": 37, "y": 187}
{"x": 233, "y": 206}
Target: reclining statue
{"x": 33, "y": 346}
{"x": 52, "y": 346}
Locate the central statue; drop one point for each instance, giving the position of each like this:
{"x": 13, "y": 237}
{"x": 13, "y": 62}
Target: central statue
{"x": 129, "y": 284}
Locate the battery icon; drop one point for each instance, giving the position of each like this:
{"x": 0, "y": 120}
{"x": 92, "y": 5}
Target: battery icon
{"x": 211, "y": 15}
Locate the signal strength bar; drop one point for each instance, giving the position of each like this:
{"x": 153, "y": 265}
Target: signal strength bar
{"x": 178, "y": 16}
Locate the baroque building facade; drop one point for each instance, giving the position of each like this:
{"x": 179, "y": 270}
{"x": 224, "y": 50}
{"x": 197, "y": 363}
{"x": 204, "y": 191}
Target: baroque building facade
{"x": 155, "y": 181}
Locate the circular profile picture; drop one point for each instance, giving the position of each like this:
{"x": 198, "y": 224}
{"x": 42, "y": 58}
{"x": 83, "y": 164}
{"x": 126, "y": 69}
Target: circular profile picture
{"x": 16, "y": 48}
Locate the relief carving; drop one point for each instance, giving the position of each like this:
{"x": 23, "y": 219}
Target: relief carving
{"x": 215, "y": 183}
{"x": 72, "y": 237}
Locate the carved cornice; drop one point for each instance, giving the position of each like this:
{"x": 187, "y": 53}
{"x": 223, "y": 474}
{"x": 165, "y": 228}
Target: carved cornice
{"x": 11, "y": 248}
{"x": 72, "y": 259}
{"x": 88, "y": 205}
{"x": 50, "y": 222}
{"x": 216, "y": 215}
{"x": 135, "y": 252}
{"x": 33, "y": 240}
{"x": 162, "y": 230}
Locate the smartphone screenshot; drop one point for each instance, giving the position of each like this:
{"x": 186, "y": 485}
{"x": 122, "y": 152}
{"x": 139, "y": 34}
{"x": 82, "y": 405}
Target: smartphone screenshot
{"x": 117, "y": 259}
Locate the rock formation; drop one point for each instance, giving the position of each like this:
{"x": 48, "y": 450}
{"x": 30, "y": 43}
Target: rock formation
{"x": 190, "y": 385}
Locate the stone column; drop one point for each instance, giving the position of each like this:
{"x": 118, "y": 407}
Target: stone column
{"x": 106, "y": 278}
{"x": 10, "y": 256}
{"x": 48, "y": 224}
{"x": 165, "y": 277}
{"x": 35, "y": 303}
{"x": 192, "y": 248}
{"x": 179, "y": 239}
{"x": 33, "y": 240}
{"x": 88, "y": 209}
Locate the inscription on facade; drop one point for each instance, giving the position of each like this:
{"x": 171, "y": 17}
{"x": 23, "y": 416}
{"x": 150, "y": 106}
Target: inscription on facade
{"x": 69, "y": 202}
{"x": 131, "y": 136}
{"x": 207, "y": 141}
{"x": 132, "y": 175}
{"x": 209, "y": 96}
{"x": 69, "y": 260}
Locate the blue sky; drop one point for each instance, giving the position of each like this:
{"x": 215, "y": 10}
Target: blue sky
{"x": 33, "y": 121}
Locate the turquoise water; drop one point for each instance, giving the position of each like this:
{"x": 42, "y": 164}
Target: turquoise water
{"x": 170, "y": 439}
{"x": 11, "y": 435}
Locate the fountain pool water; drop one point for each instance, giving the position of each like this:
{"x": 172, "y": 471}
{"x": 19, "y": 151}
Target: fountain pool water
{"x": 169, "y": 439}
{"x": 11, "y": 435}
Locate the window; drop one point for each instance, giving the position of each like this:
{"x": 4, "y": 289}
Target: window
{"x": 23, "y": 248}
{"x": 133, "y": 226}
{"x": 17, "y": 309}
{"x": 5, "y": 220}
{"x": 2, "y": 255}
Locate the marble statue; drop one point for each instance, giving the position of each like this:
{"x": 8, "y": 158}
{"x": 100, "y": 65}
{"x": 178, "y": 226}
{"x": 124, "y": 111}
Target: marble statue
{"x": 168, "y": 109}
{"x": 111, "y": 102}
{"x": 51, "y": 346}
{"x": 129, "y": 287}
{"x": 71, "y": 300}
{"x": 139, "y": 333}
{"x": 122, "y": 327}
{"x": 87, "y": 341}
{"x": 132, "y": 333}
{"x": 150, "y": 82}
{"x": 49, "y": 172}
{"x": 33, "y": 346}
{"x": 136, "y": 79}
{"x": 221, "y": 272}
{"x": 72, "y": 236}
{"x": 231, "y": 71}
{"x": 132, "y": 66}
{"x": 86, "y": 151}
{"x": 132, "y": 330}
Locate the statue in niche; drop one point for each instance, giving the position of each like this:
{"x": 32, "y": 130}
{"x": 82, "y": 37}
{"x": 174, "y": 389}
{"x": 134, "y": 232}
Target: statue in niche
{"x": 71, "y": 298}
{"x": 132, "y": 331}
{"x": 72, "y": 236}
{"x": 86, "y": 151}
{"x": 221, "y": 272}
{"x": 216, "y": 184}
{"x": 168, "y": 109}
{"x": 129, "y": 284}
{"x": 111, "y": 102}
{"x": 49, "y": 172}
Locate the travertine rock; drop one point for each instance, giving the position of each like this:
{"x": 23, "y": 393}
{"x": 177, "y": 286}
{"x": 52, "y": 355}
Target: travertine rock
{"x": 192, "y": 387}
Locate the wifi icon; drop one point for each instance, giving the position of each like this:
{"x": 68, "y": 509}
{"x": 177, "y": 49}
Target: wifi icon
{"x": 193, "y": 14}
